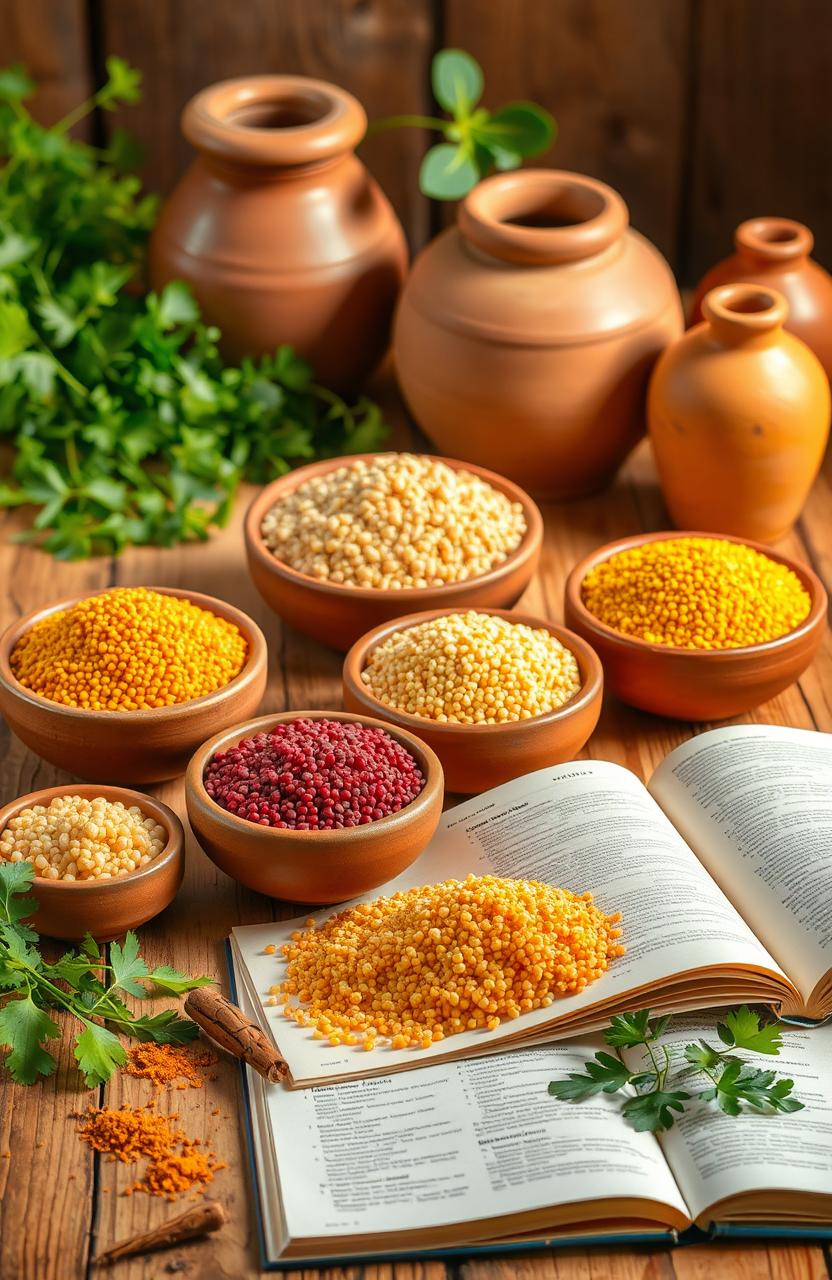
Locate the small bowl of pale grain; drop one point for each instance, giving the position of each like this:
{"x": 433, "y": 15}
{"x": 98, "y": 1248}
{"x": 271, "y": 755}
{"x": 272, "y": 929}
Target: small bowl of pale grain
{"x": 105, "y": 859}
{"x": 495, "y": 693}
{"x": 349, "y": 543}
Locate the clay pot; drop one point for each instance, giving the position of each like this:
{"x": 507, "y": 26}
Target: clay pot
{"x": 775, "y": 252}
{"x": 738, "y": 413}
{"x": 279, "y": 229}
{"x": 525, "y": 335}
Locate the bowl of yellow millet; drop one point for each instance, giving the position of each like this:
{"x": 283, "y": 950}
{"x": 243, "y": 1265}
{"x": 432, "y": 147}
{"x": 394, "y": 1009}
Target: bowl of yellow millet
{"x": 696, "y": 626}
{"x": 123, "y": 685}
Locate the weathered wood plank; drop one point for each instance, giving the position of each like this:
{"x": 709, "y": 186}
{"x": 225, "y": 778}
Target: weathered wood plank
{"x": 183, "y": 45}
{"x": 50, "y": 38}
{"x": 613, "y": 73}
{"x": 760, "y": 145}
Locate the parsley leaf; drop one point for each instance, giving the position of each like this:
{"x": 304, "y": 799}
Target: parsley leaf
{"x": 174, "y": 983}
{"x": 98, "y": 1052}
{"x": 23, "y": 1026}
{"x": 743, "y": 1029}
{"x": 653, "y": 1111}
{"x": 606, "y": 1074}
{"x": 128, "y": 965}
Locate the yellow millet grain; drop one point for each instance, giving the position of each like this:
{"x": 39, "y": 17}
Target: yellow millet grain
{"x": 472, "y": 668}
{"x": 433, "y": 961}
{"x": 129, "y": 649}
{"x": 696, "y": 593}
{"x": 398, "y": 521}
{"x": 73, "y": 838}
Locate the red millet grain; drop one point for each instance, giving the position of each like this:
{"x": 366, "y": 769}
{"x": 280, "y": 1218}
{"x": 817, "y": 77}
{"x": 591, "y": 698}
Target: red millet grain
{"x": 314, "y": 775}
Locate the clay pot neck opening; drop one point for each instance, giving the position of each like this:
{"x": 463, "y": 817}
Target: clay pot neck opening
{"x": 744, "y": 312}
{"x": 542, "y": 216}
{"x": 273, "y": 121}
{"x": 773, "y": 240}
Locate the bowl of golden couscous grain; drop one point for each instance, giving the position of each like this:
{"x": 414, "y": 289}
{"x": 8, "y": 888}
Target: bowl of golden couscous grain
{"x": 693, "y": 625}
{"x": 123, "y": 685}
{"x": 346, "y": 544}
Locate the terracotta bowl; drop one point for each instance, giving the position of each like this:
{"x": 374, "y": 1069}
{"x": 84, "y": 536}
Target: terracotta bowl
{"x": 479, "y": 756}
{"x": 106, "y": 908}
{"x": 691, "y": 684}
{"x": 130, "y": 746}
{"x": 313, "y": 866}
{"x": 337, "y": 614}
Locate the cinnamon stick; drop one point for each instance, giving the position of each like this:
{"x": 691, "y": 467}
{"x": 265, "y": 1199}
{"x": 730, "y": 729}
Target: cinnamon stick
{"x": 229, "y": 1027}
{"x": 199, "y": 1221}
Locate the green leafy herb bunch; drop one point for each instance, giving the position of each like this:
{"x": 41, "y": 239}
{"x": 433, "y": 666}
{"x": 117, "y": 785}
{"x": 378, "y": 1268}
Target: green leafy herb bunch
{"x": 655, "y": 1097}
{"x": 477, "y": 141}
{"x": 74, "y": 984}
{"x": 124, "y": 422}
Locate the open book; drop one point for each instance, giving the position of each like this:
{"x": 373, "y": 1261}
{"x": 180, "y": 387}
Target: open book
{"x": 721, "y": 869}
{"x": 475, "y": 1154}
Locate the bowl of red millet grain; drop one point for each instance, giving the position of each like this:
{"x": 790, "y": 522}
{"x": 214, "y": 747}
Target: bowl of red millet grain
{"x": 314, "y": 806}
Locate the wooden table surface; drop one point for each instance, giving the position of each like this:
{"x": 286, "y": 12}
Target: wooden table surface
{"x": 59, "y": 1203}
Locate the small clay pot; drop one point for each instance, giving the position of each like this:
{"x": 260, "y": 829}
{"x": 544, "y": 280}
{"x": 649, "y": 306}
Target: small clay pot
{"x": 130, "y": 746}
{"x": 774, "y": 253}
{"x": 476, "y": 757}
{"x": 337, "y": 614}
{"x": 313, "y": 866}
{"x": 278, "y": 228}
{"x": 106, "y": 908}
{"x": 526, "y": 334}
{"x": 738, "y": 413}
{"x": 696, "y": 684}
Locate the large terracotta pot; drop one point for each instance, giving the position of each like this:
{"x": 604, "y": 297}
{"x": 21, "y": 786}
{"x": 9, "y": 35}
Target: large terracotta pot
{"x": 775, "y": 252}
{"x": 280, "y": 230}
{"x": 738, "y": 412}
{"x": 525, "y": 335}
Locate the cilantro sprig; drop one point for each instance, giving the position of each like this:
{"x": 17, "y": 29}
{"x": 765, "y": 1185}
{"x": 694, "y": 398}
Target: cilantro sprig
{"x": 74, "y": 984}
{"x": 655, "y": 1100}
{"x": 477, "y": 141}
{"x": 126, "y": 424}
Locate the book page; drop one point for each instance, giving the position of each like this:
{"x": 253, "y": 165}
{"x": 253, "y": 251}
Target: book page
{"x": 455, "y": 1143}
{"x": 584, "y": 826}
{"x": 755, "y": 801}
{"x": 715, "y": 1156}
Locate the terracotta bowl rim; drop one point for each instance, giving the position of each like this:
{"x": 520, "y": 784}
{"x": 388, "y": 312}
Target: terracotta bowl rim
{"x": 165, "y": 816}
{"x": 807, "y": 576}
{"x": 425, "y": 757}
{"x": 256, "y": 659}
{"x": 592, "y": 686}
{"x": 526, "y": 550}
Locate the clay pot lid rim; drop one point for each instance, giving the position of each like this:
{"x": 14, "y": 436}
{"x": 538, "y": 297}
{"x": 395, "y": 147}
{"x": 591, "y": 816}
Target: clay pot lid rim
{"x": 256, "y": 659}
{"x": 775, "y": 239}
{"x": 744, "y": 309}
{"x": 487, "y": 216}
{"x": 425, "y": 757}
{"x": 209, "y": 125}
{"x": 270, "y": 495}
{"x": 150, "y": 807}
{"x": 806, "y": 574}
{"x": 589, "y": 665}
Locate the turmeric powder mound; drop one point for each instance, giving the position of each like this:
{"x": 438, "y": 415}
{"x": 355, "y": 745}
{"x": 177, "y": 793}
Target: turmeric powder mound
{"x": 166, "y": 1064}
{"x": 176, "y": 1162}
{"x": 433, "y": 961}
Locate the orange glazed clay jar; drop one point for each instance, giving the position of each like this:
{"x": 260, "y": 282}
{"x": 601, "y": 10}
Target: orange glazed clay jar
{"x": 279, "y": 229}
{"x": 738, "y": 413}
{"x": 774, "y": 252}
{"x": 525, "y": 335}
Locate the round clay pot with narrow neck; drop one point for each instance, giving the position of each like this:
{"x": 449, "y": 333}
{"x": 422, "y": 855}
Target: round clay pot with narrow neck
{"x": 525, "y": 335}
{"x": 774, "y": 252}
{"x": 738, "y": 412}
{"x": 278, "y": 228}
